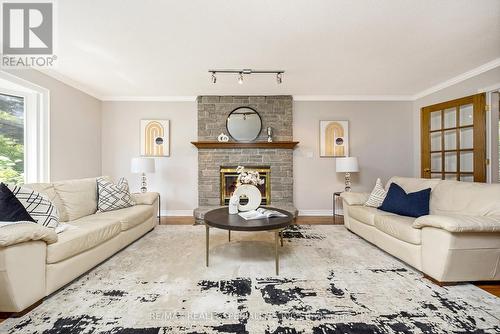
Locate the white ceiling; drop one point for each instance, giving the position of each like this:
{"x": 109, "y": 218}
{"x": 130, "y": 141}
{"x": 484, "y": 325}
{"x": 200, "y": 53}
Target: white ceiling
{"x": 125, "y": 48}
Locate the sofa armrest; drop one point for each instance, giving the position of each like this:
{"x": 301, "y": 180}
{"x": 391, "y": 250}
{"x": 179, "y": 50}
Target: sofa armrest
{"x": 22, "y": 275}
{"x": 351, "y": 198}
{"x": 24, "y": 232}
{"x": 148, "y": 198}
{"x": 458, "y": 223}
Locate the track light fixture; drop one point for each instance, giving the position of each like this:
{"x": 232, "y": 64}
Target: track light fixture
{"x": 240, "y": 73}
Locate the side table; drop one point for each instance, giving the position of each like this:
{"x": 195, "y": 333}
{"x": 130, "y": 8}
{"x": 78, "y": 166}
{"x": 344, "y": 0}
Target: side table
{"x": 335, "y": 195}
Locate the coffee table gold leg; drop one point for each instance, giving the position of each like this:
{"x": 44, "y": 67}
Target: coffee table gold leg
{"x": 206, "y": 242}
{"x": 229, "y": 236}
{"x": 276, "y": 255}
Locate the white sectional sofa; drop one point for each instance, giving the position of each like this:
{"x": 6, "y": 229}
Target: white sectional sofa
{"x": 34, "y": 261}
{"x": 458, "y": 241}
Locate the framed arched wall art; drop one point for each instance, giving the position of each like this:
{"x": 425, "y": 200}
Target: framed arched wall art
{"x": 334, "y": 138}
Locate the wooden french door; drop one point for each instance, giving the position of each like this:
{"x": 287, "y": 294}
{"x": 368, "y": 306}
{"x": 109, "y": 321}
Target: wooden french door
{"x": 453, "y": 138}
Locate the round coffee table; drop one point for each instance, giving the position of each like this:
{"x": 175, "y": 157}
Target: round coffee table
{"x": 220, "y": 218}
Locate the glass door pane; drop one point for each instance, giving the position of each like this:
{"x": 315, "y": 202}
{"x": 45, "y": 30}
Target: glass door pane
{"x": 466, "y": 112}
{"x": 436, "y": 120}
{"x": 450, "y": 140}
{"x": 466, "y": 161}
{"x": 450, "y": 118}
{"x": 466, "y": 138}
{"x": 450, "y": 162}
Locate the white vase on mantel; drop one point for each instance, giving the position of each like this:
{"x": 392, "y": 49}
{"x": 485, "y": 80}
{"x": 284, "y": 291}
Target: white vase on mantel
{"x": 252, "y": 193}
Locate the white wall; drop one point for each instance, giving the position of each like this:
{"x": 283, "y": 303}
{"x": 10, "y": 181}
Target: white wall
{"x": 75, "y": 128}
{"x": 465, "y": 88}
{"x": 176, "y": 177}
{"x": 379, "y": 135}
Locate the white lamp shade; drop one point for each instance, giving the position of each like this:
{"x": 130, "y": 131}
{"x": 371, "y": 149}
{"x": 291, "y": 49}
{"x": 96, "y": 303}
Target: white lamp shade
{"x": 142, "y": 165}
{"x": 347, "y": 165}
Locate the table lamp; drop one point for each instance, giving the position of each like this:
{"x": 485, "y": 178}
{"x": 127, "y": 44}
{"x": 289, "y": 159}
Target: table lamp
{"x": 347, "y": 165}
{"x": 142, "y": 166}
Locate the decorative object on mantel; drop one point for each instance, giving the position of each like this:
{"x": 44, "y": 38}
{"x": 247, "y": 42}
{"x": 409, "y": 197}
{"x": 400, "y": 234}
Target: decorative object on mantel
{"x": 244, "y": 124}
{"x": 334, "y": 138}
{"x": 246, "y": 71}
{"x": 155, "y": 137}
{"x": 269, "y": 134}
{"x": 223, "y": 138}
{"x": 256, "y": 144}
{"x": 347, "y": 165}
{"x": 234, "y": 202}
{"x": 141, "y": 165}
{"x": 247, "y": 183}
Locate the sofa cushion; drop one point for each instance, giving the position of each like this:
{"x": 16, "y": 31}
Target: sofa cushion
{"x": 83, "y": 234}
{"x": 465, "y": 198}
{"x": 48, "y": 190}
{"x": 129, "y": 217}
{"x": 78, "y": 197}
{"x": 399, "y": 227}
{"x": 364, "y": 214}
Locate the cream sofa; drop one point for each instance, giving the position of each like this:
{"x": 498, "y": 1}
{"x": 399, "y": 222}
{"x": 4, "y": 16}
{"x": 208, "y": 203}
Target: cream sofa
{"x": 458, "y": 241}
{"x": 34, "y": 261}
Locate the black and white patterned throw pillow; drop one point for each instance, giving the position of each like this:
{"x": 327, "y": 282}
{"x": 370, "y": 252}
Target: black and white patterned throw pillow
{"x": 377, "y": 196}
{"x": 39, "y": 207}
{"x": 113, "y": 196}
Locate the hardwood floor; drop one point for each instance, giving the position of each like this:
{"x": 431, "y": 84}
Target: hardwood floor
{"x": 491, "y": 287}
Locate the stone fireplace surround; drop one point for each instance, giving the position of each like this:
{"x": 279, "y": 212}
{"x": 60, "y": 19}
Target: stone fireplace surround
{"x": 276, "y": 112}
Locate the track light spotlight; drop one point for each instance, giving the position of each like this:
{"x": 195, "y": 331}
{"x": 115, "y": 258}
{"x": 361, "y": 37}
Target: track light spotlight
{"x": 214, "y": 78}
{"x": 279, "y": 78}
{"x": 240, "y": 79}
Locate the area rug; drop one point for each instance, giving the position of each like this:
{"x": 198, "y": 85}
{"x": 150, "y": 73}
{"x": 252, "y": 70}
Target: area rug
{"x": 331, "y": 281}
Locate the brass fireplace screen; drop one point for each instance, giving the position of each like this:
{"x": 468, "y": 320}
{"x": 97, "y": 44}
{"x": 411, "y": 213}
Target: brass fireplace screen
{"x": 228, "y": 178}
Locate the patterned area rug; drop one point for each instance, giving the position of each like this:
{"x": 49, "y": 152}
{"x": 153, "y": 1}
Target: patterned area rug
{"x": 331, "y": 282}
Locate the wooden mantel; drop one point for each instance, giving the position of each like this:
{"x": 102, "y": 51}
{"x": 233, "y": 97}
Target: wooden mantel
{"x": 258, "y": 144}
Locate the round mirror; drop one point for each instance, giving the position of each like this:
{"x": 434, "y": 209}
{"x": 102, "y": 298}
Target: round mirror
{"x": 244, "y": 124}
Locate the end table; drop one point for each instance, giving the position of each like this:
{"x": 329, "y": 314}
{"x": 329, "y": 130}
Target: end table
{"x": 335, "y": 195}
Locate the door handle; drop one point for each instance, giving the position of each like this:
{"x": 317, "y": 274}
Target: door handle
{"x": 427, "y": 170}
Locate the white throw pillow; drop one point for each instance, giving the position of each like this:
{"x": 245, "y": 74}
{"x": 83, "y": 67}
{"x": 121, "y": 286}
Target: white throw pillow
{"x": 40, "y": 208}
{"x": 377, "y": 196}
{"x": 113, "y": 196}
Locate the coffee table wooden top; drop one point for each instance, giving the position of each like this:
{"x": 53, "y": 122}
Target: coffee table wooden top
{"x": 220, "y": 218}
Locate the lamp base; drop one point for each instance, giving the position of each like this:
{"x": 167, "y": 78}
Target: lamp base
{"x": 144, "y": 186}
{"x": 347, "y": 182}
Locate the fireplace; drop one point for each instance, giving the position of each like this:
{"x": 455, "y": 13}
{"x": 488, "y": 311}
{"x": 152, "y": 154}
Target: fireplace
{"x": 228, "y": 178}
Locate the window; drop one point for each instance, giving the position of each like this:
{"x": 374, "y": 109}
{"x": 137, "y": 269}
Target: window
{"x": 11, "y": 139}
{"x": 24, "y": 131}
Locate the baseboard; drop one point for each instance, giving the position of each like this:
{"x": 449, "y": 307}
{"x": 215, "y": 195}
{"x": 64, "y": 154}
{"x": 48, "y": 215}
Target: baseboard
{"x": 315, "y": 212}
{"x": 176, "y": 213}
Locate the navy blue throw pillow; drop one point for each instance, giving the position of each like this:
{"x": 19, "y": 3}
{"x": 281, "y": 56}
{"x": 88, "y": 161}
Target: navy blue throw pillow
{"x": 11, "y": 210}
{"x": 412, "y": 205}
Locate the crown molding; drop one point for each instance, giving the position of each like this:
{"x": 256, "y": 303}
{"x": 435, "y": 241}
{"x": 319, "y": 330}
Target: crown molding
{"x": 459, "y": 78}
{"x": 352, "y": 97}
{"x": 150, "y": 98}
{"x": 70, "y": 82}
{"x": 445, "y": 84}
